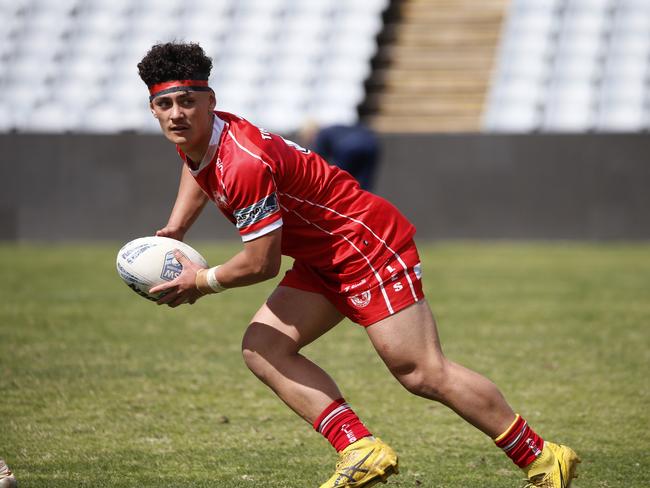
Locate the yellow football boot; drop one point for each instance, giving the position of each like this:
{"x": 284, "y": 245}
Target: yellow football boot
{"x": 7, "y": 479}
{"x": 365, "y": 463}
{"x": 555, "y": 468}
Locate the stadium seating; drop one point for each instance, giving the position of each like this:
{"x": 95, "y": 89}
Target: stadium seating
{"x": 71, "y": 64}
{"x": 572, "y": 66}
{"x": 561, "y": 66}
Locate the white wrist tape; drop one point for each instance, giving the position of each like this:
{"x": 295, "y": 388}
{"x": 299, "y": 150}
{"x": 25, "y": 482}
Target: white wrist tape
{"x": 213, "y": 283}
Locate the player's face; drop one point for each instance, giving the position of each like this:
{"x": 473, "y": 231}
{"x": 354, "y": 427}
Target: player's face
{"x": 185, "y": 117}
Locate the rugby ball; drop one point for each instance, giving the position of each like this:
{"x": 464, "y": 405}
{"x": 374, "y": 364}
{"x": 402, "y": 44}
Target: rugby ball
{"x": 149, "y": 261}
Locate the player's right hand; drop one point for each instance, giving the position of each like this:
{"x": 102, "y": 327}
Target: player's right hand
{"x": 172, "y": 232}
{"x": 182, "y": 289}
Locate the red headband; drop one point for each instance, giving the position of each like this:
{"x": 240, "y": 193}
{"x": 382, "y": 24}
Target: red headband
{"x": 177, "y": 85}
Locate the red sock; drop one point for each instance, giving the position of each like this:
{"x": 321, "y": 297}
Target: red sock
{"x": 520, "y": 443}
{"x": 340, "y": 425}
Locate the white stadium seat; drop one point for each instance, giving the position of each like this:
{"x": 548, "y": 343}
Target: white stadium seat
{"x": 622, "y": 118}
{"x": 52, "y": 117}
{"x": 271, "y": 58}
{"x": 572, "y": 65}
{"x": 513, "y": 117}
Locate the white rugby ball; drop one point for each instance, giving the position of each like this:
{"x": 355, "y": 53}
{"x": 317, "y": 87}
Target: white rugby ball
{"x": 149, "y": 261}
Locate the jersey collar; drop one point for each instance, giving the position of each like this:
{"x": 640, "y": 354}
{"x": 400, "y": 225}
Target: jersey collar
{"x": 217, "y": 129}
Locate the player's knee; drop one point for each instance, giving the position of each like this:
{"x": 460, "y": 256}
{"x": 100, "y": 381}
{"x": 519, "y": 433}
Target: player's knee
{"x": 252, "y": 358}
{"x": 254, "y": 349}
{"x": 425, "y": 380}
{"x": 263, "y": 346}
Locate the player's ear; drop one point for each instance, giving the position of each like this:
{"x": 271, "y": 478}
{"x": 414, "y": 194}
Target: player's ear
{"x": 153, "y": 112}
{"x": 213, "y": 101}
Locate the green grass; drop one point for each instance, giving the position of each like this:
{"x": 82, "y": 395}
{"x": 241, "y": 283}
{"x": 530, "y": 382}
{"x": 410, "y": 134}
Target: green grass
{"x": 101, "y": 388}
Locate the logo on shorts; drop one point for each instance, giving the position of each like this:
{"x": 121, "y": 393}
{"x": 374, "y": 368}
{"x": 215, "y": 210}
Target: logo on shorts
{"x": 361, "y": 300}
{"x": 354, "y": 285}
{"x": 417, "y": 269}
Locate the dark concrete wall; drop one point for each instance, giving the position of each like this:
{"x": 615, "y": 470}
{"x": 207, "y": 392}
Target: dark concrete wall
{"x": 521, "y": 187}
{"x": 452, "y": 186}
{"x": 91, "y": 187}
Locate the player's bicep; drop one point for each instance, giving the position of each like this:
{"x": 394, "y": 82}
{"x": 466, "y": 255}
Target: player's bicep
{"x": 265, "y": 253}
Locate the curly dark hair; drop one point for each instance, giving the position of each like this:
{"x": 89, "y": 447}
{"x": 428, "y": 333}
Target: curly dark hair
{"x": 174, "y": 61}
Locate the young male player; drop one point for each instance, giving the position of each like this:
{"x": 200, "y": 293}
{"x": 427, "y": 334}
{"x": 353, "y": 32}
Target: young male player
{"x": 354, "y": 257}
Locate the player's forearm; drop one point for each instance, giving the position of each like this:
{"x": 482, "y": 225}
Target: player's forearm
{"x": 189, "y": 202}
{"x": 236, "y": 272}
{"x": 186, "y": 210}
{"x": 259, "y": 261}
{"x": 243, "y": 270}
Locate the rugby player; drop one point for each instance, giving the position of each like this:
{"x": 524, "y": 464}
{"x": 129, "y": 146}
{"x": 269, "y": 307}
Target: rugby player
{"x": 354, "y": 257}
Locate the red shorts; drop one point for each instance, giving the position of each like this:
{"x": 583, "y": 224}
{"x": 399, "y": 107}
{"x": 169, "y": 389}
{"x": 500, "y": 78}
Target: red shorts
{"x": 388, "y": 288}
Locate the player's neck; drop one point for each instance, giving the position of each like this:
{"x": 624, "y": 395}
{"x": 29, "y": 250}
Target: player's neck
{"x": 195, "y": 152}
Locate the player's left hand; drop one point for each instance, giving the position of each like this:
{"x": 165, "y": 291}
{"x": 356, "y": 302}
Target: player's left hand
{"x": 183, "y": 288}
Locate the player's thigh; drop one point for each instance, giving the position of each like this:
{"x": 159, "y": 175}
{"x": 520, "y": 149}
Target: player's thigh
{"x": 408, "y": 340}
{"x": 290, "y": 319}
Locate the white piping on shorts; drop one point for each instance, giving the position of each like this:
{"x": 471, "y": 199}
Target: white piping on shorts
{"x": 397, "y": 256}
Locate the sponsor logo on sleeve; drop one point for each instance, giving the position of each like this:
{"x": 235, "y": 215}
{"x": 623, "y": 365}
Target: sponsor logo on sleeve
{"x": 257, "y": 212}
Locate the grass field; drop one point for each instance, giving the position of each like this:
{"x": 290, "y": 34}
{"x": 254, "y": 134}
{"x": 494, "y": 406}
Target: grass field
{"x": 101, "y": 388}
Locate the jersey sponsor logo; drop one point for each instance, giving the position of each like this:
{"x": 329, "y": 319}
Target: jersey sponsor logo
{"x": 172, "y": 268}
{"x": 361, "y": 300}
{"x": 257, "y": 212}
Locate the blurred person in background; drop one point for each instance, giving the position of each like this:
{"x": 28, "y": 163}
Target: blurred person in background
{"x": 353, "y": 148}
{"x": 354, "y": 256}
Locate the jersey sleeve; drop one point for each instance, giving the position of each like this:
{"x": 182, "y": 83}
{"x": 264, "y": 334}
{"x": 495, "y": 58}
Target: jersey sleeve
{"x": 253, "y": 197}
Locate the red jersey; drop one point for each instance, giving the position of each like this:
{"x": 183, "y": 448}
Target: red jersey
{"x": 261, "y": 181}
